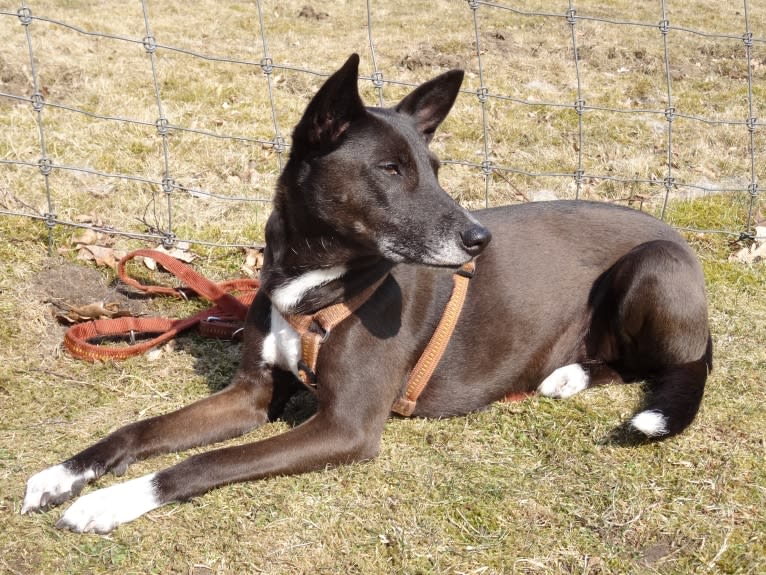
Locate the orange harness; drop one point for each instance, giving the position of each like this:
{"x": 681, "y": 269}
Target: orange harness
{"x": 315, "y": 328}
{"x": 225, "y": 320}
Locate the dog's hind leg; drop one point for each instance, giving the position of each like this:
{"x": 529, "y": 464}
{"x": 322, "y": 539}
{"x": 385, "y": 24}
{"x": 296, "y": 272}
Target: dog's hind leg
{"x": 565, "y": 382}
{"x": 673, "y": 397}
{"x": 650, "y": 323}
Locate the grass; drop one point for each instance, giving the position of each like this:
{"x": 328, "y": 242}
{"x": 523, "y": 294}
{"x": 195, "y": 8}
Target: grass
{"x": 522, "y": 488}
{"x": 525, "y": 488}
{"x": 518, "y": 488}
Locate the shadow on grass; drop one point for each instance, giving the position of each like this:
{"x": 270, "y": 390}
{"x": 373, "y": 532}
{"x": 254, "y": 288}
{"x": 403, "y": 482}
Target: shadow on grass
{"x": 217, "y": 362}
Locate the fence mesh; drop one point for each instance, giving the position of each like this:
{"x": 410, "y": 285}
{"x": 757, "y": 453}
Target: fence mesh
{"x": 167, "y": 122}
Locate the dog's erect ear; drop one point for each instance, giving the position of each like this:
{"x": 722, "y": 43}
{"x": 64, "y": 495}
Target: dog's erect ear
{"x": 331, "y": 111}
{"x": 430, "y": 103}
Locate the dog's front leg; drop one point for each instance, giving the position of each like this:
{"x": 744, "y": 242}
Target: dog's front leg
{"x": 240, "y": 407}
{"x": 326, "y": 439}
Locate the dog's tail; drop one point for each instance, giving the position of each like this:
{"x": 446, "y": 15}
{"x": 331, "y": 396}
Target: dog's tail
{"x": 673, "y": 398}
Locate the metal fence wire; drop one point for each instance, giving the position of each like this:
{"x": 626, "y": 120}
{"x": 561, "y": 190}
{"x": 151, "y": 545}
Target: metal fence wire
{"x": 165, "y": 122}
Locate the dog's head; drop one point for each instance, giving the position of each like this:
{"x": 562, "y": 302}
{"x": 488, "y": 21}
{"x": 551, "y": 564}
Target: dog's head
{"x": 367, "y": 175}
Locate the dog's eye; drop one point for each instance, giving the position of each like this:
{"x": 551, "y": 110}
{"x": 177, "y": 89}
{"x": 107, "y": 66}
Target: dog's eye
{"x": 391, "y": 168}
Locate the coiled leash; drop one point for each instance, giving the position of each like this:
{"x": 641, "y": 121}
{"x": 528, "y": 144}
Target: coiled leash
{"x": 223, "y": 320}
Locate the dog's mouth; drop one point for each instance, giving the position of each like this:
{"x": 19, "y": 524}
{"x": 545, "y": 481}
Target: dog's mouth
{"x": 449, "y": 256}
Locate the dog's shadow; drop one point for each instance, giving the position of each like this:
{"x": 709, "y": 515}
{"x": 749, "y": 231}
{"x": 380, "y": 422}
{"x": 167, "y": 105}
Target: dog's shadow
{"x": 625, "y": 435}
{"x": 216, "y": 361}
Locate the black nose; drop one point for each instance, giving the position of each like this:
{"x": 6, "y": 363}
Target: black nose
{"x": 475, "y": 239}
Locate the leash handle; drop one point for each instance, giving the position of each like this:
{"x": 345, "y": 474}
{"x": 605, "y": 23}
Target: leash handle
{"x": 232, "y": 310}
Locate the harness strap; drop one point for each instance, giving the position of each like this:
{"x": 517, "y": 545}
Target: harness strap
{"x": 426, "y": 365}
{"x": 224, "y": 320}
{"x": 315, "y": 328}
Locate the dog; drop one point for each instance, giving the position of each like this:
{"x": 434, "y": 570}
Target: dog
{"x": 565, "y": 295}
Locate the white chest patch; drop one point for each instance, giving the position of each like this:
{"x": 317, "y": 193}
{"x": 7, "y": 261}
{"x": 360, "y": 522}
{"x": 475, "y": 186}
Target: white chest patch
{"x": 282, "y": 346}
{"x": 287, "y": 296}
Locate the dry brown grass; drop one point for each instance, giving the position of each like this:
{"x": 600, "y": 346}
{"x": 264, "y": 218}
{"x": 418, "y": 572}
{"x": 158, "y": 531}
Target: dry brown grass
{"x": 523, "y": 488}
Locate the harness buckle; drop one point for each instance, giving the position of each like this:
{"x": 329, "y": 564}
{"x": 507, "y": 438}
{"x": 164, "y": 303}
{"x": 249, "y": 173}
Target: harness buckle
{"x": 317, "y": 328}
{"x": 467, "y": 271}
{"x": 306, "y": 374}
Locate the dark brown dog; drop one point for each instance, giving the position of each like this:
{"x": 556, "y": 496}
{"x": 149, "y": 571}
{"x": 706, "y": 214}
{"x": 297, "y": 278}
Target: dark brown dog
{"x": 567, "y": 294}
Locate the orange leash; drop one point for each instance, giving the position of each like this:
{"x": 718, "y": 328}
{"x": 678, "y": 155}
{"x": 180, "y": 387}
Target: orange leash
{"x": 221, "y": 320}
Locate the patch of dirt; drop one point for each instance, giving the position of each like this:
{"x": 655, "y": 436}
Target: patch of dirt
{"x": 499, "y": 42}
{"x": 68, "y": 284}
{"x": 655, "y": 553}
{"x": 13, "y": 80}
{"x": 66, "y": 81}
{"x": 427, "y": 56}
{"x": 312, "y": 14}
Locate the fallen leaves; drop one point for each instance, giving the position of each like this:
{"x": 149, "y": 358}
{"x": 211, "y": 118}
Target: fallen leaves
{"x": 253, "y": 262}
{"x": 70, "y": 314}
{"x": 101, "y": 255}
{"x": 755, "y": 252}
{"x": 96, "y": 244}
{"x": 181, "y": 251}
{"x": 93, "y": 245}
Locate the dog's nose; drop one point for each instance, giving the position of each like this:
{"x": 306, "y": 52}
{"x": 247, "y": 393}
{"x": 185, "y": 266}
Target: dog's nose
{"x": 475, "y": 239}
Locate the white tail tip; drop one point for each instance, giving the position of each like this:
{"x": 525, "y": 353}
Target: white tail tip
{"x": 651, "y": 423}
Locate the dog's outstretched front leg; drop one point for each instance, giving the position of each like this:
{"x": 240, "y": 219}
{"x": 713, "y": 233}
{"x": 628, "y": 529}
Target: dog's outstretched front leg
{"x": 240, "y": 407}
{"x": 321, "y": 441}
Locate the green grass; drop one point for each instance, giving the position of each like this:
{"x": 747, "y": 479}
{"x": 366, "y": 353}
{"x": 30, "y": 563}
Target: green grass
{"x": 524, "y": 488}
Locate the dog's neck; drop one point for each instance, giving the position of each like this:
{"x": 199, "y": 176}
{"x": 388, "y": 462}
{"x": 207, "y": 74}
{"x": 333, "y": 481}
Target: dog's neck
{"x": 306, "y": 267}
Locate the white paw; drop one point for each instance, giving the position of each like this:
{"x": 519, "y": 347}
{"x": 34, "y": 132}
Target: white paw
{"x": 564, "y": 382}
{"x": 52, "y": 486}
{"x": 103, "y": 510}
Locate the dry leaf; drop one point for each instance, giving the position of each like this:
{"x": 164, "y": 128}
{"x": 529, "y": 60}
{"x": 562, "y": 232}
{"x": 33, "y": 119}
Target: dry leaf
{"x": 103, "y": 256}
{"x": 754, "y": 253}
{"x": 153, "y": 354}
{"x": 253, "y": 261}
{"x": 87, "y": 312}
{"x": 156, "y": 352}
{"x": 88, "y": 236}
{"x": 180, "y": 252}
{"x": 89, "y": 219}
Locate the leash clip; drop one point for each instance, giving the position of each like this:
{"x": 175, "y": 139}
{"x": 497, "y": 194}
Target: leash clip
{"x": 307, "y": 375}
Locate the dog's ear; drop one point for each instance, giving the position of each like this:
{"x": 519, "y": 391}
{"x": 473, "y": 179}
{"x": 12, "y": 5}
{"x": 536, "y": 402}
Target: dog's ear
{"x": 430, "y": 103}
{"x": 331, "y": 111}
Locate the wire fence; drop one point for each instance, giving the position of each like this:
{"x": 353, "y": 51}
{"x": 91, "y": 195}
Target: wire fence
{"x": 654, "y": 103}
